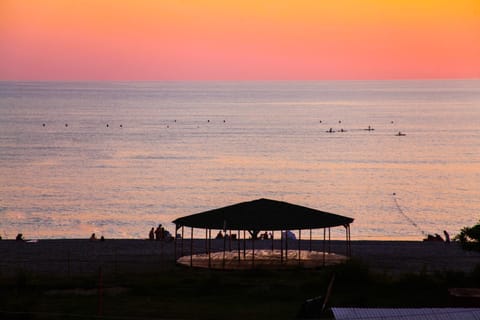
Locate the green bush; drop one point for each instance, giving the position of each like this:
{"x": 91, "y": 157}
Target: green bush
{"x": 469, "y": 237}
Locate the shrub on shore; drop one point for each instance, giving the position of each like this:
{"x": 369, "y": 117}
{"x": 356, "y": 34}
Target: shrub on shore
{"x": 469, "y": 237}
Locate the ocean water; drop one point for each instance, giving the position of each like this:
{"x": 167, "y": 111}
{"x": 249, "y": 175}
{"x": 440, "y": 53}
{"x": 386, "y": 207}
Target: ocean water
{"x": 118, "y": 158}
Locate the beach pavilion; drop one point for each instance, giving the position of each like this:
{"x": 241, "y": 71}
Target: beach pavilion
{"x": 241, "y": 246}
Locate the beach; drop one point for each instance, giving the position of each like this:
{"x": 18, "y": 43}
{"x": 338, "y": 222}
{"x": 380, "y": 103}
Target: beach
{"x": 79, "y": 256}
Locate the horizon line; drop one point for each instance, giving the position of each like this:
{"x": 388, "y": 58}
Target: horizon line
{"x": 237, "y": 80}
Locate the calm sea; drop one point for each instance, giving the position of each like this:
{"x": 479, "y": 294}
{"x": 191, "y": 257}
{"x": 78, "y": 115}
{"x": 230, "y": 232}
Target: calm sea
{"x": 118, "y": 158}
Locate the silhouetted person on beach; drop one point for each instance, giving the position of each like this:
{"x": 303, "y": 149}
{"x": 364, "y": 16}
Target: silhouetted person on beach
{"x": 93, "y": 237}
{"x": 19, "y": 237}
{"x": 447, "y": 236}
{"x": 219, "y": 235}
{"x": 151, "y": 235}
{"x": 159, "y": 232}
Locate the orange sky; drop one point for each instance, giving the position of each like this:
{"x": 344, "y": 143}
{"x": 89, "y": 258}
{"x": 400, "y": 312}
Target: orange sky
{"x": 238, "y": 39}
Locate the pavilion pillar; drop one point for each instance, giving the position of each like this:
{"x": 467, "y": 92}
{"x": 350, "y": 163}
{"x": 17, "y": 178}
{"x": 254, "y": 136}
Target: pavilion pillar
{"x": 191, "y": 247}
{"x": 229, "y": 240}
{"x": 238, "y": 245}
{"x": 175, "y": 244}
{"x": 224, "y": 248}
{"x": 209, "y": 248}
{"x": 253, "y": 251}
{"x": 273, "y": 244}
{"x": 206, "y": 241}
{"x": 310, "y": 242}
{"x": 329, "y": 241}
{"x": 324, "y": 244}
{"x": 286, "y": 245}
{"x": 244, "y": 245}
{"x": 281, "y": 247}
{"x": 299, "y": 244}
{"x": 346, "y": 240}
{"x": 182, "y": 242}
{"x": 349, "y": 241}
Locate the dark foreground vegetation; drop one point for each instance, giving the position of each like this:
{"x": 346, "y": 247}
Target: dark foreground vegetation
{"x": 183, "y": 293}
{"x": 469, "y": 237}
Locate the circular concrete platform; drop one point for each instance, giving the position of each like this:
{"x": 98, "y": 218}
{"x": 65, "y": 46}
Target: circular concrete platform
{"x": 267, "y": 259}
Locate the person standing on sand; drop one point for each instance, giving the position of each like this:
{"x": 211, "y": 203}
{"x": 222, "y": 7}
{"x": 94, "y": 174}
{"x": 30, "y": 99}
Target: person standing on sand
{"x": 447, "y": 236}
{"x": 158, "y": 232}
{"x": 151, "y": 235}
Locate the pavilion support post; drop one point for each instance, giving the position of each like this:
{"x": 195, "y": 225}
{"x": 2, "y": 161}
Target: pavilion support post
{"x": 299, "y": 244}
{"x": 224, "y": 248}
{"x": 182, "y": 242}
{"x": 253, "y": 251}
{"x": 209, "y": 248}
{"x": 229, "y": 240}
{"x": 349, "y": 241}
{"x": 310, "y": 242}
{"x": 324, "y": 244}
{"x": 238, "y": 245}
{"x": 346, "y": 240}
{"x": 273, "y": 244}
{"x": 286, "y": 245}
{"x": 281, "y": 247}
{"x": 244, "y": 245}
{"x": 175, "y": 244}
{"x": 206, "y": 241}
{"x": 191, "y": 247}
{"x": 329, "y": 241}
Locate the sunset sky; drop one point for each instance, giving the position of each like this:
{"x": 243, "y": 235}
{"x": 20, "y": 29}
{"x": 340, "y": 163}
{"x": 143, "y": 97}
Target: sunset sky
{"x": 238, "y": 39}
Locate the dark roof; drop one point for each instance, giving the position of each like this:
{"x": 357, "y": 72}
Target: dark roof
{"x": 407, "y": 313}
{"x": 263, "y": 214}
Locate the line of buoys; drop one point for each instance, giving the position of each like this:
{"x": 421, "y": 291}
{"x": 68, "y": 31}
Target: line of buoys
{"x": 410, "y": 220}
{"x": 107, "y": 125}
{"x": 66, "y": 125}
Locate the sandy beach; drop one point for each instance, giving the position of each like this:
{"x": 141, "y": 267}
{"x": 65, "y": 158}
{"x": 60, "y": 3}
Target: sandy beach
{"x": 75, "y": 256}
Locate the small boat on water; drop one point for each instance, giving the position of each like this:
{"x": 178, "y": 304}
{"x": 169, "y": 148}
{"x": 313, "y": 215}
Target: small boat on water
{"x": 369, "y": 129}
{"x": 400, "y": 134}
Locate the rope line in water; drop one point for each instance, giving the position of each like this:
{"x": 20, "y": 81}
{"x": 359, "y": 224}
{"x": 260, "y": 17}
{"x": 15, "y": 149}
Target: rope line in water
{"x": 407, "y": 217}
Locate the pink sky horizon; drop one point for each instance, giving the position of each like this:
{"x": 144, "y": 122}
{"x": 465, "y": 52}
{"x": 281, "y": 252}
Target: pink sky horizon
{"x": 242, "y": 40}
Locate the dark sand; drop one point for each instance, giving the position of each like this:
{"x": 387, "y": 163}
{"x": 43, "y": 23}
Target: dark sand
{"x": 64, "y": 256}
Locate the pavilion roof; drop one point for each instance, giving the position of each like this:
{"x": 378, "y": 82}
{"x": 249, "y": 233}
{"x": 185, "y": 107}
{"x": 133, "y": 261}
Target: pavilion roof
{"x": 263, "y": 214}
